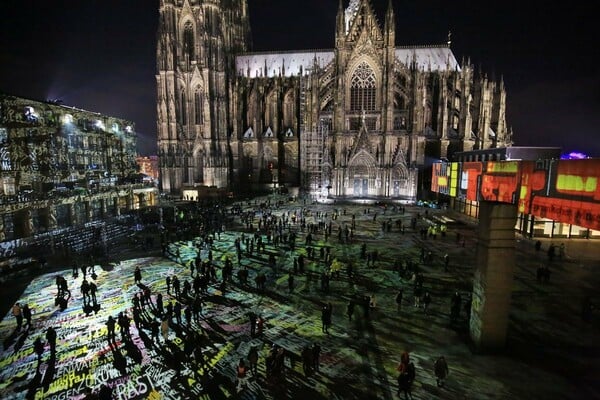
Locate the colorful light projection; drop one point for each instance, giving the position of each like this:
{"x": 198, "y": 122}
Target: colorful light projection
{"x": 562, "y": 190}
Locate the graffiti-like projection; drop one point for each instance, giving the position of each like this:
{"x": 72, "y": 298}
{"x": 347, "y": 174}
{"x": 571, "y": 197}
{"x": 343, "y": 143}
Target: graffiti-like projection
{"x": 134, "y": 366}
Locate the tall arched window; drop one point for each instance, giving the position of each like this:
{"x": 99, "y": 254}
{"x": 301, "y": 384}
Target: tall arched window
{"x": 183, "y": 106}
{"x": 188, "y": 40}
{"x": 198, "y": 107}
{"x": 362, "y": 89}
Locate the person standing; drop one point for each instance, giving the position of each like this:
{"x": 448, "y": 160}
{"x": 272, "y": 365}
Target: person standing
{"x": 426, "y": 302}
{"x": 187, "y": 313}
{"x": 440, "y": 368}
{"x": 137, "y": 275}
{"x": 17, "y": 312}
{"x": 93, "y": 290}
{"x": 26, "y": 311}
{"x": 159, "y": 304}
{"x": 85, "y": 291}
{"x": 399, "y": 299}
{"x": 325, "y": 318}
{"x": 307, "y": 362}
{"x": 253, "y": 360}
{"x": 51, "y": 338}
{"x": 455, "y": 307}
{"x": 418, "y": 289}
{"x": 177, "y": 312}
{"x": 350, "y": 310}
{"x": 38, "y": 347}
{"x": 252, "y": 317}
{"x": 154, "y": 328}
{"x": 551, "y": 252}
{"x": 176, "y": 286}
{"x": 164, "y": 328}
{"x": 316, "y": 356}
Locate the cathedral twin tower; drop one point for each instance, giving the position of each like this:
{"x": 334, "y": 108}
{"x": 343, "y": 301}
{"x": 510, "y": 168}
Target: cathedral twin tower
{"x": 359, "y": 120}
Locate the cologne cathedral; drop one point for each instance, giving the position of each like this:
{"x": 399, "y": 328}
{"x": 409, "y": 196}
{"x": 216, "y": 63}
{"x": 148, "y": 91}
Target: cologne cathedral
{"x": 363, "y": 119}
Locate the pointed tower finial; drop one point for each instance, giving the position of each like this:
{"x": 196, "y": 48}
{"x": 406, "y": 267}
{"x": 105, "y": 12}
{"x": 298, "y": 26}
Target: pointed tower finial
{"x": 449, "y": 38}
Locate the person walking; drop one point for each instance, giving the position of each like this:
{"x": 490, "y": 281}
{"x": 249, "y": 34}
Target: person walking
{"x": 253, "y": 360}
{"x": 124, "y": 324}
{"x": 440, "y": 369}
{"x": 26, "y": 311}
{"x": 93, "y": 290}
{"x": 406, "y": 376}
{"x": 110, "y": 326}
{"x": 241, "y": 375}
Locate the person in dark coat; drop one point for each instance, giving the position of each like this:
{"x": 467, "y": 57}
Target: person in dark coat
{"x": 440, "y": 369}
{"x": 51, "y": 338}
{"x": 38, "y": 347}
{"x": 110, "y": 326}
{"x": 316, "y": 356}
{"x": 399, "y": 299}
{"x": 307, "y": 361}
{"x": 93, "y": 290}
{"x": 137, "y": 275}
{"x": 27, "y": 315}
{"x": 253, "y": 360}
{"x": 350, "y": 309}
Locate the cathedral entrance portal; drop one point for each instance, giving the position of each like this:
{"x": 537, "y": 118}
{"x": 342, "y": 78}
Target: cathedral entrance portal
{"x": 396, "y": 188}
{"x": 361, "y": 167}
{"x": 361, "y": 186}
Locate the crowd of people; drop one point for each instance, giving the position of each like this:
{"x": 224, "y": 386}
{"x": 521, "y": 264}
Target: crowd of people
{"x": 271, "y": 242}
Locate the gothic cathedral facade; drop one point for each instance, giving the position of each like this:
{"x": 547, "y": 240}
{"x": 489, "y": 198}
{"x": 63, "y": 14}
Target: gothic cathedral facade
{"x": 364, "y": 119}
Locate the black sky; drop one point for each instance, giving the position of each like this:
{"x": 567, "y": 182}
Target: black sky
{"x": 99, "y": 55}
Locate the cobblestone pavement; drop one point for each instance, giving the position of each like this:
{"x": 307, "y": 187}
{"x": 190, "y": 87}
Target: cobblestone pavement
{"x": 551, "y": 352}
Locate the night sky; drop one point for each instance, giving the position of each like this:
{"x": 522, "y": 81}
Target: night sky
{"x": 99, "y": 55}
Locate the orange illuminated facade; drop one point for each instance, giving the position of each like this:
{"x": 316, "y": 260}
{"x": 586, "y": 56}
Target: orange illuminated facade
{"x": 565, "y": 193}
{"x": 148, "y": 165}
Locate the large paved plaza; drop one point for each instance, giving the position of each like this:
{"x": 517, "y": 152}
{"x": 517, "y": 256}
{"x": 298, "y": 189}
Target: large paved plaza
{"x": 551, "y": 353}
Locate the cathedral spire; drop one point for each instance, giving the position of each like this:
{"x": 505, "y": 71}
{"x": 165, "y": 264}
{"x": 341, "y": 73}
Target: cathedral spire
{"x": 340, "y": 21}
{"x": 390, "y": 25}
